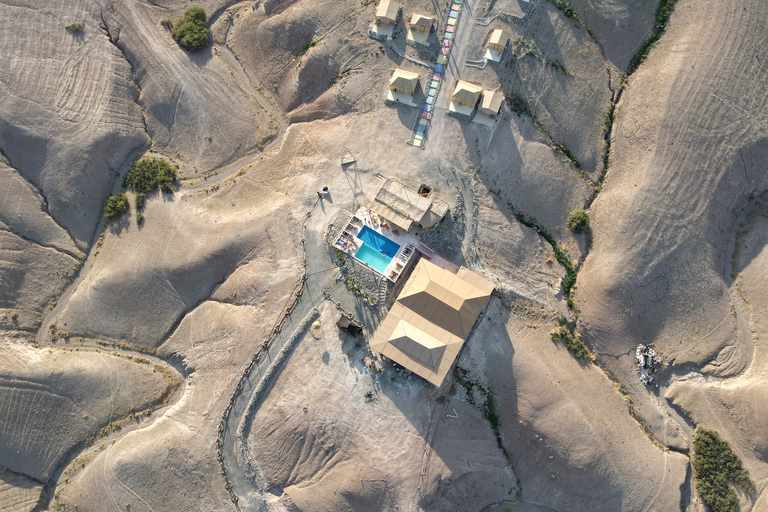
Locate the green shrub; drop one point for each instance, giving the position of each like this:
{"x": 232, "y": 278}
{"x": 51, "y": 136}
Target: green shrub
{"x": 190, "y": 30}
{"x": 116, "y": 206}
{"x": 718, "y": 470}
{"x": 570, "y": 278}
{"x": 567, "y": 9}
{"x": 147, "y": 174}
{"x": 573, "y": 342}
{"x": 139, "y": 200}
{"x": 75, "y": 27}
{"x": 139, "y": 219}
{"x": 578, "y": 221}
{"x": 167, "y": 23}
{"x": 519, "y": 105}
{"x": 663, "y": 12}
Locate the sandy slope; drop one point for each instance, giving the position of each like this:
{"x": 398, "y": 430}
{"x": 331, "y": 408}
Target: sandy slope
{"x": 736, "y": 406}
{"x": 569, "y": 446}
{"x": 170, "y": 465}
{"x": 203, "y": 280}
{"x": 65, "y": 96}
{"x": 194, "y": 106}
{"x": 188, "y": 245}
{"x": 53, "y": 399}
{"x": 689, "y": 150}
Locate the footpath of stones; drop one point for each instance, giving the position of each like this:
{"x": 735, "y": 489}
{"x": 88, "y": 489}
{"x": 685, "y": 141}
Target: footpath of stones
{"x": 419, "y": 136}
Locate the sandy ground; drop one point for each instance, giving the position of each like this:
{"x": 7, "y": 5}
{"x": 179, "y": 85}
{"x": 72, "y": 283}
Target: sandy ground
{"x": 322, "y": 442}
{"x": 55, "y": 399}
{"x": 662, "y": 247}
{"x": 257, "y": 122}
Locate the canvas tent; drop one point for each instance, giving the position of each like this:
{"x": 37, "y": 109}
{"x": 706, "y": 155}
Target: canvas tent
{"x": 387, "y": 12}
{"x": 491, "y": 102}
{"x": 404, "y": 82}
{"x": 466, "y": 93}
{"x": 421, "y": 23}
{"x": 403, "y": 207}
{"x": 431, "y": 319}
{"x": 498, "y": 40}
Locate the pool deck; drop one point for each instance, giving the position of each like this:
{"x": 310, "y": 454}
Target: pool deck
{"x": 349, "y": 243}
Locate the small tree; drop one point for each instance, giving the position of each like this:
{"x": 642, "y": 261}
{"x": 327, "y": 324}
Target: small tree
{"x": 116, "y": 206}
{"x": 578, "y": 221}
{"x": 147, "y": 174}
{"x": 190, "y": 30}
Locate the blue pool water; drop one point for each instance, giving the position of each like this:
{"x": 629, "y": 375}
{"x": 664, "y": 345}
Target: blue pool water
{"x": 377, "y": 250}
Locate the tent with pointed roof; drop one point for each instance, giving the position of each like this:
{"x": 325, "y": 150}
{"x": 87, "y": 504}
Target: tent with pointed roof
{"x": 498, "y": 40}
{"x": 421, "y": 23}
{"x": 491, "y": 102}
{"x": 387, "y": 12}
{"x": 431, "y": 319}
{"x": 404, "y": 82}
{"x": 466, "y": 93}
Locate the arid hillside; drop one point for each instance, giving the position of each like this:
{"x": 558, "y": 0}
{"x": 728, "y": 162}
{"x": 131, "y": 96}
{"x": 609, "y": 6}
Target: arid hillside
{"x": 169, "y": 341}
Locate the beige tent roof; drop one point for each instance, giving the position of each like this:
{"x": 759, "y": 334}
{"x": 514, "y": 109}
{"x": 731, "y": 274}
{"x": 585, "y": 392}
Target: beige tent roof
{"x": 466, "y": 91}
{"x": 499, "y": 37}
{"x": 491, "y": 101}
{"x": 392, "y": 216}
{"x": 403, "y": 206}
{"x": 422, "y": 21}
{"x": 428, "y": 324}
{"x": 388, "y": 9}
{"x": 404, "y": 79}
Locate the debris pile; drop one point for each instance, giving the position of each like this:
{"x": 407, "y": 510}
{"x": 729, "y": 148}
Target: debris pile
{"x": 647, "y": 363}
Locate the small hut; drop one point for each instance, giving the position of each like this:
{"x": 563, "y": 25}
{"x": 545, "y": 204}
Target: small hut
{"x": 421, "y": 23}
{"x": 498, "y": 40}
{"x": 491, "y": 102}
{"x": 347, "y": 325}
{"x": 387, "y": 12}
{"x": 404, "y": 82}
{"x": 466, "y": 93}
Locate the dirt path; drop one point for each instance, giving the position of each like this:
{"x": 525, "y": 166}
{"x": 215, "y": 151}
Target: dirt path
{"x": 313, "y": 294}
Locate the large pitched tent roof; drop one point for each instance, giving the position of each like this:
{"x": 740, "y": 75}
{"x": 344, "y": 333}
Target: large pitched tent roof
{"x": 491, "y": 102}
{"x": 422, "y": 21}
{"x": 466, "y": 92}
{"x": 388, "y": 9}
{"x": 402, "y": 79}
{"x": 431, "y": 319}
{"x": 498, "y": 39}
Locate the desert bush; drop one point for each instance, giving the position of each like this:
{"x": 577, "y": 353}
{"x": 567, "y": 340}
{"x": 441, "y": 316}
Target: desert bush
{"x": 139, "y": 219}
{"x": 567, "y": 9}
{"x": 570, "y": 278}
{"x": 573, "y": 342}
{"x": 147, "y": 174}
{"x": 718, "y": 470}
{"x": 663, "y": 12}
{"x": 519, "y": 105}
{"x": 139, "y": 200}
{"x": 116, "y": 206}
{"x": 167, "y": 23}
{"x": 75, "y": 27}
{"x": 578, "y": 221}
{"x": 190, "y": 30}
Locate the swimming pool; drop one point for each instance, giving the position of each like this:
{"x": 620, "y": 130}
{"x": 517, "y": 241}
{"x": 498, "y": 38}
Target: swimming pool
{"x": 377, "y": 250}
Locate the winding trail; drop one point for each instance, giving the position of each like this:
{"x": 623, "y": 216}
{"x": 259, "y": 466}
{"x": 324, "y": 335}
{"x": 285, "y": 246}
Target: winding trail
{"x": 311, "y": 292}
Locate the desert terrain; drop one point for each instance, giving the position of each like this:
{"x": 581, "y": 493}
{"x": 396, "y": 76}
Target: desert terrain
{"x": 185, "y": 354}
